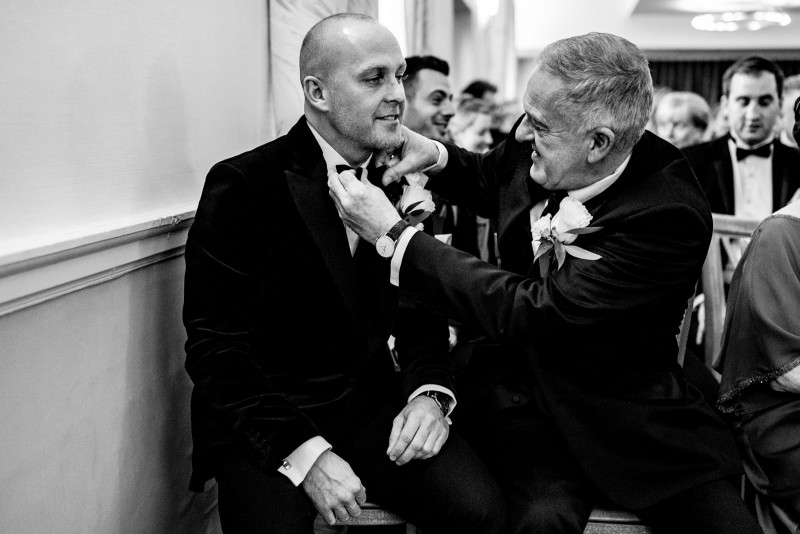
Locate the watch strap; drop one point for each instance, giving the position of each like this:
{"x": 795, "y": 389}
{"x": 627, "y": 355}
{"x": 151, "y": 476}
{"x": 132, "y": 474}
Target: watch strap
{"x": 441, "y": 400}
{"x": 395, "y": 231}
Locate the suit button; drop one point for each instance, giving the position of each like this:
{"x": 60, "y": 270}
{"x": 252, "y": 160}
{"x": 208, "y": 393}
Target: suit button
{"x": 515, "y": 398}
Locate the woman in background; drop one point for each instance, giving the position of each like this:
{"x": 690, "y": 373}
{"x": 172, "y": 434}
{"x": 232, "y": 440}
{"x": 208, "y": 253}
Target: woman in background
{"x": 761, "y": 365}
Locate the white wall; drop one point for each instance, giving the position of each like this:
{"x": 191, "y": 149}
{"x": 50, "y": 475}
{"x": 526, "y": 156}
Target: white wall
{"x": 114, "y": 110}
{"x": 111, "y": 114}
{"x": 95, "y": 409}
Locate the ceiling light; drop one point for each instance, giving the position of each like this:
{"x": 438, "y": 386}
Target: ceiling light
{"x": 731, "y": 21}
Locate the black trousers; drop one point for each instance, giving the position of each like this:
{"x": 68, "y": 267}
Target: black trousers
{"x": 452, "y": 492}
{"x": 548, "y": 492}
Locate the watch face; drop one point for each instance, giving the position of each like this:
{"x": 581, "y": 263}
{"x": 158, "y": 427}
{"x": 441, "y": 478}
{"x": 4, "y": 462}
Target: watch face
{"x": 385, "y": 246}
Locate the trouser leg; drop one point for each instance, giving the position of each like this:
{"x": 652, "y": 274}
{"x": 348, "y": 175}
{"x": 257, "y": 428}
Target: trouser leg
{"x": 711, "y": 508}
{"x": 251, "y": 501}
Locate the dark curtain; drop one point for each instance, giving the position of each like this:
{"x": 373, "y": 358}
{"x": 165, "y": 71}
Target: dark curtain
{"x": 703, "y": 77}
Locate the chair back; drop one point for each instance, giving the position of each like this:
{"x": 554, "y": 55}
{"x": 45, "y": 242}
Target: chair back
{"x": 731, "y": 236}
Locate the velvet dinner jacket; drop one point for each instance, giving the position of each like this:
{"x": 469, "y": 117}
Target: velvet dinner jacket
{"x": 287, "y": 331}
{"x": 594, "y": 343}
{"x": 711, "y": 162}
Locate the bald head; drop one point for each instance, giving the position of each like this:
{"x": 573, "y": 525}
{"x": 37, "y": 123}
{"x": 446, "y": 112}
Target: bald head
{"x": 351, "y": 71}
{"x": 324, "y": 41}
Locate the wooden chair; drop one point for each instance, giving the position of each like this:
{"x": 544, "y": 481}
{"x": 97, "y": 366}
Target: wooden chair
{"x": 728, "y": 242}
{"x": 372, "y": 515}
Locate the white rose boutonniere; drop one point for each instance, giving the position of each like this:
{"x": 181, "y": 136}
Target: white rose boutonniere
{"x": 556, "y": 233}
{"x": 415, "y": 204}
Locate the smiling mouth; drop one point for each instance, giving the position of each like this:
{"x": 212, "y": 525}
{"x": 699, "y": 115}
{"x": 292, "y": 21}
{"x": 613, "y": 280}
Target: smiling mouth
{"x": 389, "y": 118}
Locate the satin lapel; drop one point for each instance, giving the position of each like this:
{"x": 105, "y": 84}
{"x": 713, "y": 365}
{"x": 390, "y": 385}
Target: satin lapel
{"x": 723, "y": 168}
{"x": 310, "y": 195}
{"x": 780, "y": 178}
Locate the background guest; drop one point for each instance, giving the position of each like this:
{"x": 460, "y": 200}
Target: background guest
{"x": 760, "y": 364}
{"x": 470, "y": 128}
{"x": 760, "y": 367}
{"x": 482, "y": 89}
{"x": 682, "y": 118}
{"x": 747, "y": 173}
{"x": 791, "y": 92}
{"x": 429, "y": 97}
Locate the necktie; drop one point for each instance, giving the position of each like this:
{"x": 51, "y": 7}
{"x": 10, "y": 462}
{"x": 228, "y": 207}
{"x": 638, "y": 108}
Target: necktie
{"x": 760, "y": 152}
{"x": 553, "y": 202}
{"x": 341, "y": 168}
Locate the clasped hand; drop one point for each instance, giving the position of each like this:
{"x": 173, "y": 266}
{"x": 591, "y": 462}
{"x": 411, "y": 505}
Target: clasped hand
{"x": 418, "y": 432}
{"x": 334, "y": 488}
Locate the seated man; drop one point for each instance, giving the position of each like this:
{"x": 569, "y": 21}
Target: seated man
{"x": 584, "y": 398}
{"x": 760, "y": 365}
{"x": 296, "y": 399}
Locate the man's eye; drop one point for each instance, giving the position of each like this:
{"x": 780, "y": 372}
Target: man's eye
{"x": 402, "y": 77}
{"x": 374, "y": 81}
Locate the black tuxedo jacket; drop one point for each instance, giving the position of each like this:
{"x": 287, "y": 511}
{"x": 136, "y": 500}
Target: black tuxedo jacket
{"x": 286, "y": 331}
{"x": 711, "y": 162}
{"x": 594, "y": 343}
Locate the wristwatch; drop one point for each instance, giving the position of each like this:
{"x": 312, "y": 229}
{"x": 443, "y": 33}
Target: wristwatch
{"x": 441, "y": 400}
{"x": 386, "y": 243}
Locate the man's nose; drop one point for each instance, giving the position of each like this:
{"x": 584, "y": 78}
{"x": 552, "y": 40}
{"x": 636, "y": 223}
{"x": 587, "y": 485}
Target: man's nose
{"x": 524, "y": 133}
{"x": 447, "y": 108}
{"x": 753, "y": 110}
{"x": 396, "y": 93}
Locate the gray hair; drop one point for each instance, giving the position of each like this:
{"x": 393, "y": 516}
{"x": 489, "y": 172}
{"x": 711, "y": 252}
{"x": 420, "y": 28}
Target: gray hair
{"x": 699, "y": 110}
{"x": 608, "y": 83}
{"x": 791, "y": 83}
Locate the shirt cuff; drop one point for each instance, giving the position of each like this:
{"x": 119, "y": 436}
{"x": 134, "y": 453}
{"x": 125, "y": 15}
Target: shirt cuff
{"x": 299, "y": 462}
{"x": 441, "y": 162}
{"x": 399, "y": 250}
{"x": 435, "y": 387}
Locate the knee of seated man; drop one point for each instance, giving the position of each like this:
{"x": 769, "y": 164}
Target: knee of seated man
{"x": 478, "y": 507}
{"x": 543, "y": 515}
{"x": 480, "y": 518}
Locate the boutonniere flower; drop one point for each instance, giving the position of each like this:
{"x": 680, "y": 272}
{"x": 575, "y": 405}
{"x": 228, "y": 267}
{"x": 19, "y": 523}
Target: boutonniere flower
{"x": 416, "y": 203}
{"x": 557, "y": 234}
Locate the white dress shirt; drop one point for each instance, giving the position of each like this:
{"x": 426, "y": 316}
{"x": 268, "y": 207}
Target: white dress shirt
{"x": 752, "y": 182}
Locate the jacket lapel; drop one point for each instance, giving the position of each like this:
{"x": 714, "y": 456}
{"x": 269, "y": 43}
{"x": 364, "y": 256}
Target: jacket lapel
{"x": 723, "y": 170}
{"x": 307, "y": 183}
{"x": 780, "y": 177}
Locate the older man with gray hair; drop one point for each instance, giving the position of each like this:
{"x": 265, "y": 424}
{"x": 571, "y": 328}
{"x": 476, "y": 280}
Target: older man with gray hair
{"x": 682, "y": 118}
{"x": 582, "y": 397}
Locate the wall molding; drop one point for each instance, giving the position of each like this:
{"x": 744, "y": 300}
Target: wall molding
{"x": 36, "y": 275}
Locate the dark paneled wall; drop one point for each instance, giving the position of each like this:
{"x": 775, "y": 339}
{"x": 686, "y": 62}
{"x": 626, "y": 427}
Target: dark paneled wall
{"x": 702, "y": 73}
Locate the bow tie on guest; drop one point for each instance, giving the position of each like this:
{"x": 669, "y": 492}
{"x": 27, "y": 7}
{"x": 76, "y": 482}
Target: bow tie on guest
{"x": 357, "y": 171}
{"x": 760, "y": 152}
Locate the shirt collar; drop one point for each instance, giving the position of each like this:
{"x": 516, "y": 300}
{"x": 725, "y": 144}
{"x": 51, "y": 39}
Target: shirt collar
{"x": 329, "y": 154}
{"x": 590, "y": 191}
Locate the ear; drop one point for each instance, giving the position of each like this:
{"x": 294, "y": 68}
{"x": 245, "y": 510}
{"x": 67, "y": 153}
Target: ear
{"x": 315, "y": 92}
{"x": 723, "y": 101}
{"x": 601, "y": 142}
